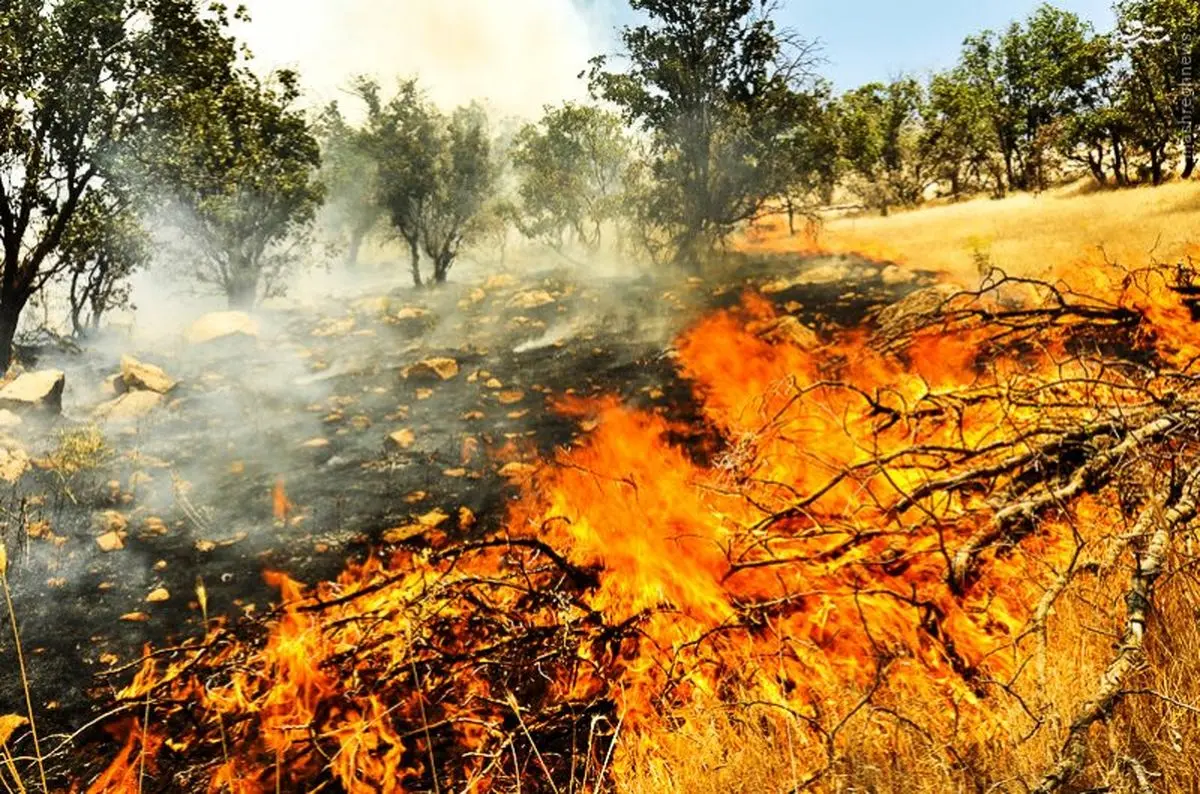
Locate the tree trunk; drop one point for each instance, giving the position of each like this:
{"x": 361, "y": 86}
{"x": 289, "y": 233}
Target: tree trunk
{"x": 1156, "y": 168}
{"x": 1189, "y": 164}
{"x": 10, "y": 317}
{"x": 242, "y": 296}
{"x": 414, "y": 255}
{"x": 356, "y": 241}
{"x": 441, "y": 268}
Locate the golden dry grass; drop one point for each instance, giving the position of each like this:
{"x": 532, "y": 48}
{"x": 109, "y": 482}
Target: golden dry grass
{"x": 1022, "y": 234}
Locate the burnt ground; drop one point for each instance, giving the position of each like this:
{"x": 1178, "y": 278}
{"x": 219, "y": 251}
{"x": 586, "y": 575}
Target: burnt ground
{"x": 310, "y": 403}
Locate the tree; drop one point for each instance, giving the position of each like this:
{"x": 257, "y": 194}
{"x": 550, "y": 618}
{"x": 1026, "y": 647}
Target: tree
{"x": 812, "y": 167}
{"x": 570, "y": 165}
{"x": 464, "y": 181}
{"x": 351, "y": 178}
{"x": 78, "y": 80}
{"x": 960, "y": 137}
{"x": 1162, "y": 43}
{"x": 402, "y": 136}
{"x": 103, "y": 245}
{"x": 1033, "y": 75}
{"x": 237, "y": 164}
{"x": 882, "y": 140}
{"x": 436, "y": 174}
{"x": 717, "y": 88}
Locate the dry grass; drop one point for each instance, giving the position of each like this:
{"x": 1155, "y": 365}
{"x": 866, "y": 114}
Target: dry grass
{"x": 1023, "y": 234}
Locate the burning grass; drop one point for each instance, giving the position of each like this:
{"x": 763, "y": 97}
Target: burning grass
{"x": 904, "y": 572}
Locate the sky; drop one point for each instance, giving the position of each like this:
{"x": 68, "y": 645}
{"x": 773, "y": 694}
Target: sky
{"x": 523, "y": 54}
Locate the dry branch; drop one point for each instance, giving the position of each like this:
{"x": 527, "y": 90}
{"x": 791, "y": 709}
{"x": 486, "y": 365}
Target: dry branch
{"x": 1160, "y": 524}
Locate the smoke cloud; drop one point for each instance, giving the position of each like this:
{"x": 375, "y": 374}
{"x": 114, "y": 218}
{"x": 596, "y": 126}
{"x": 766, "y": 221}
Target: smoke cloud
{"x": 516, "y": 55}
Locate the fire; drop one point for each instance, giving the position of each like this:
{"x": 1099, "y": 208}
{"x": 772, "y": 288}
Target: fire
{"x": 281, "y": 507}
{"x": 843, "y": 545}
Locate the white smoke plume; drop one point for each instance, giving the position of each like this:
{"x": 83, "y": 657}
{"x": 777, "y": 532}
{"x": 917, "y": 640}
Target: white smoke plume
{"x": 515, "y": 55}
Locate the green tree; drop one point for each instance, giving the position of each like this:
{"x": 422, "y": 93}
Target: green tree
{"x": 1035, "y": 74}
{"x": 351, "y": 178}
{"x": 237, "y": 163}
{"x": 719, "y": 91}
{"x": 403, "y": 138}
{"x": 570, "y": 165}
{"x": 961, "y": 138}
{"x": 78, "y": 79}
{"x": 104, "y": 244}
{"x": 464, "y": 182}
{"x": 812, "y": 166}
{"x": 883, "y": 143}
{"x": 436, "y": 173}
{"x": 1162, "y": 45}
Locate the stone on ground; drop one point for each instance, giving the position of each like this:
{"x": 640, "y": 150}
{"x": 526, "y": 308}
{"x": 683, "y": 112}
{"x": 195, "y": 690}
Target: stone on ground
{"x": 433, "y": 369}
{"x": 129, "y": 406}
{"x": 222, "y": 325}
{"x": 139, "y": 376}
{"x": 35, "y": 391}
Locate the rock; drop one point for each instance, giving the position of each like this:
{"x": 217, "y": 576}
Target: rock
{"x": 401, "y": 440}
{"x": 129, "y": 407}
{"x": 893, "y": 275}
{"x": 110, "y": 522}
{"x": 433, "y": 369}
{"x": 510, "y": 397}
{"x": 411, "y": 313}
{"x": 35, "y": 390}
{"x": 914, "y": 310}
{"x": 375, "y": 305}
{"x": 9, "y": 419}
{"x": 138, "y": 376}
{"x": 158, "y": 595}
{"x": 530, "y": 299}
{"x": 222, "y": 325}
{"x": 788, "y": 329}
{"x": 315, "y": 443}
{"x": 114, "y": 385}
{"x": 335, "y": 327}
{"x": 110, "y": 542}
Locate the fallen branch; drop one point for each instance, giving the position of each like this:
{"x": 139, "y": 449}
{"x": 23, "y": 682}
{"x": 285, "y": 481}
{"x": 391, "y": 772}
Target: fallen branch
{"x": 1073, "y": 756}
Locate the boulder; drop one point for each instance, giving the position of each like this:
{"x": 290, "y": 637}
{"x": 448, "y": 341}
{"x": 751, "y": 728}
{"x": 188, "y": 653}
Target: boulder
{"x": 9, "y": 419}
{"x": 916, "y": 309}
{"x": 114, "y": 385}
{"x": 433, "y": 369}
{"x": 129, "y": 406}
{"x": 788, "y": 330}
{"x": 138, "y": 376}
{"x": 35, "y": 391}
{"x": 400, "y": 440}
{"x": 222, "y": 325}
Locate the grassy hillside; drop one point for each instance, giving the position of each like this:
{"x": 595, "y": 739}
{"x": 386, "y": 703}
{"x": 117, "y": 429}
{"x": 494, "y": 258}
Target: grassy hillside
{"x": 1024, "y": 233}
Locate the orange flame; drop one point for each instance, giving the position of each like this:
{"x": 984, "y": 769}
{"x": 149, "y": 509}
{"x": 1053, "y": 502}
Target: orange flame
{"x": 281, "y": 506}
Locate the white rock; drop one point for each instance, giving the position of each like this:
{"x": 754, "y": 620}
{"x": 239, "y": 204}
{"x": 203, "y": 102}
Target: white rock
{"x": 139, "y": 376}
{"x": 221, "y": 325}
{"x": 35, "y": 390}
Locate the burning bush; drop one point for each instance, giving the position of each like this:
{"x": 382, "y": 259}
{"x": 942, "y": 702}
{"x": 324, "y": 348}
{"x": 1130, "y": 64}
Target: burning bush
{"x": 901, "y": 573}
